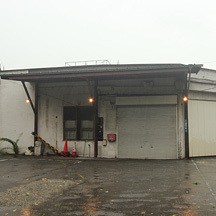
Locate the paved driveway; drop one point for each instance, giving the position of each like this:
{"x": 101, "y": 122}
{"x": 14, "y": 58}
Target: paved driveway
{"x": 56, "y": 186}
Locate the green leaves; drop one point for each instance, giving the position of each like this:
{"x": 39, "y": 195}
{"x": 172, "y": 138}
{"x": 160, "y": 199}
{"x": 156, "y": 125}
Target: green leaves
{"x": 14, "y": 144}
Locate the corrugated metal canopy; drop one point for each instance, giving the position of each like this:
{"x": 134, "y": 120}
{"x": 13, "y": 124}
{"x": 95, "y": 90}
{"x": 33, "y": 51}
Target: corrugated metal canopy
{"x": 55, "y": 74}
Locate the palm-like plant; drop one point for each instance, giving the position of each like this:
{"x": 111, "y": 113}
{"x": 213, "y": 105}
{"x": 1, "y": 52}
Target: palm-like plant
{"x": 14, "y": 144}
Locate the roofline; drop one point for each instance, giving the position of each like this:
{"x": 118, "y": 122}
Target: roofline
{"x": 96, "y": 71}
{"x": 208, "y": 69}
{"x": 91, "y": 66}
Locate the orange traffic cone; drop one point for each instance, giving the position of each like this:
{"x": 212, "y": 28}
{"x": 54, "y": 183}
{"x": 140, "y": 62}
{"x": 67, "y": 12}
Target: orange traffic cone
{"x": 65, "y": 147}
{"x": 74, "y": 153}
{"x": 65, "y": 152}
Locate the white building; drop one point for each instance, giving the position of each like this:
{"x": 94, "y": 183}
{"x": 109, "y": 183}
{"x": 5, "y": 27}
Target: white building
{"x": 202, "y": 113}
{"x": 141, "y": 105}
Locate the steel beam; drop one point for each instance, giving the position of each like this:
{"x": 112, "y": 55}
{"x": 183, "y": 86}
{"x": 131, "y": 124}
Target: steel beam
{"x": 29, "y": 97}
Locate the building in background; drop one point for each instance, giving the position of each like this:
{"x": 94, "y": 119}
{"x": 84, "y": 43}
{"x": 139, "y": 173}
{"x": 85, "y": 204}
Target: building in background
{"x": 137, "y": 110}
{"x": 201, "y": 113}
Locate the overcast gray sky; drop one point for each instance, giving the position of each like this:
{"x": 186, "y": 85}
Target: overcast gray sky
{"x": 46, "y": 33}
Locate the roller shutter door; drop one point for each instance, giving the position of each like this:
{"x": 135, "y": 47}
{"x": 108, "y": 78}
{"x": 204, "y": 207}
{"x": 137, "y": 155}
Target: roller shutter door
{"x": 202, "y": 128}
{"x": 147, "y": 132}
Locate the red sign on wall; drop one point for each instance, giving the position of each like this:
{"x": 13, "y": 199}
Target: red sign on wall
{"x": 111, "y": 137}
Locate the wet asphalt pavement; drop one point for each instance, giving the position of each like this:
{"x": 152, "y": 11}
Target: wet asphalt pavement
{"x": 112, "y": 187}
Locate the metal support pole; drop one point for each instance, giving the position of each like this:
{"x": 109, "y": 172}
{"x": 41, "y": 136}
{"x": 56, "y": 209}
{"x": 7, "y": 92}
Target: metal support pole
{"x": 186, "y": 129}
{"x": 186, "y": 114}
{"x": 34, "y": 108}
{"x": 36, "y": 111}
{"x": 95, "y": 119}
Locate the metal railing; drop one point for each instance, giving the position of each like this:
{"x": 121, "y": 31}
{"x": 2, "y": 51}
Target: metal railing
{"x": 90, "y": 62}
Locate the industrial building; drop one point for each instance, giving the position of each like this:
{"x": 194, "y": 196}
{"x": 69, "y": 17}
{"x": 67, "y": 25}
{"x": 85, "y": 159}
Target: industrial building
{"x": 142, "y": 111}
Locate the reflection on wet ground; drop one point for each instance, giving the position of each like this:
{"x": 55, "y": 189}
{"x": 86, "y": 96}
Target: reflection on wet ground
{"x": 120, "y": 187}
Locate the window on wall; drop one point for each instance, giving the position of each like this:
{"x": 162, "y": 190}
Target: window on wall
{"x": 78, "y": 123}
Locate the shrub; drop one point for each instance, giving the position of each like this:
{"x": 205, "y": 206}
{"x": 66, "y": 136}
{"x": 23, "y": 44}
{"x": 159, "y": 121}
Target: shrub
{"x": 14, "y": 144}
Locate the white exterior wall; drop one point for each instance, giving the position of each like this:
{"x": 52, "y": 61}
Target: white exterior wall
{"x": 204, "y": 81}
{"x": 107, "y": 110}
{"x": 16, "y": 116}
{"x": 52, "y": 98}
{"x": 201, "y": 113}
{"x": 202, "y": 124}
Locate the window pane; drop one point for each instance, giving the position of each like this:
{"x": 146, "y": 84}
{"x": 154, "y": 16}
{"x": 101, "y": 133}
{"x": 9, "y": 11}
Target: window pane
{"x": 70, "y": 113}
{"x": 87, "y": 135}
{"x": 70, "y": 124}
{"x": 78, "y": 122}
{"x": 86, "y": 124}
{"x": 70, "y": 134}
{"x": 86, "y": 113}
